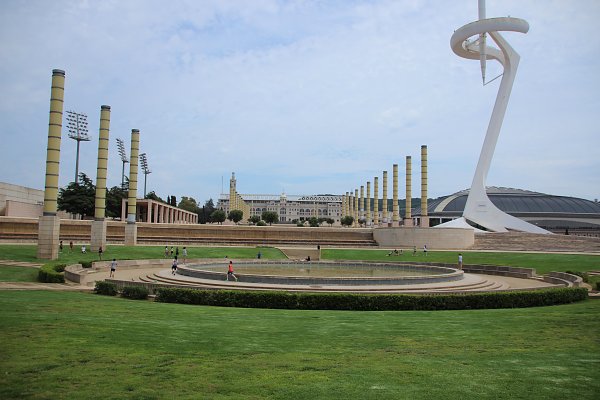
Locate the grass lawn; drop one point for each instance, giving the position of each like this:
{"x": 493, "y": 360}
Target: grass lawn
{"x": 542, "y": 262}
{"x": 9, "y": 273}
{"x": 29, "y": 253}
{"x": 64, "y": 345}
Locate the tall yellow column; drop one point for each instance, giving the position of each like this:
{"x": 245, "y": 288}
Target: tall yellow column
{"x": 98, "y": 233}
{"x": 102, "y": 168}
{"x": 408, "y": 215}
{"x": 384, "y": 208}
{"x": 351, "y": 205}
{"x": 49, "y": 223}
{"x": 368, "y": 204}
{"x": 361, "y": 205}
{"x": 232, "y": 193}
{"x": 376, "y": 201}
{"x": 356, "y": 214}
{"x": 347, "y": 197}
{"x": 131, "y": 227}
{"x": 424, "y": 216}
{"x": 395, "y": 215}
{"x": 54, "y": 139}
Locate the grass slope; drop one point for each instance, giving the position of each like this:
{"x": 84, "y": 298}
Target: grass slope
{"x": 74, "y": 345}
{"x": 9, "y": 273}
{"x": 542, "y": 262}
{"x": 29, "y": 253}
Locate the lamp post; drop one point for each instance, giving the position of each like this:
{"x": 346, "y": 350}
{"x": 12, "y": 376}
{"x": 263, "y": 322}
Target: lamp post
{"x": 145, "y": 169}
{"x": 78, "y": 130}
{"x": 121, "y": 147}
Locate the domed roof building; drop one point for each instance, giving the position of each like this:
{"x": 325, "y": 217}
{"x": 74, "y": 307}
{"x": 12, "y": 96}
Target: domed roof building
{"x": 554, "y": 213}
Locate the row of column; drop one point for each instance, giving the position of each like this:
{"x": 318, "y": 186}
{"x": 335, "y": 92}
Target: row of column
{"x": 359, "y": 207}
{"x": 169, "y": 215}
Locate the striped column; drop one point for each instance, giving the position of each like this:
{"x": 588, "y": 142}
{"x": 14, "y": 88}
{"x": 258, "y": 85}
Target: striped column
{"x": 424, "y": 216}
{"x": 356, "y": 216}
{"x": 49, "y": 223}
{"x": 384, "y": 208}
{"x": 395, "y": 215}
{"x": 376, "y": 201}
{"x": 368, "y": 204}
{"x": 408, "y": 216}
{"x": 133, "y": 175}
{"x": 101, "y": 171}
{"x": 54, "y": 137}
{"x": 362, "y": 203}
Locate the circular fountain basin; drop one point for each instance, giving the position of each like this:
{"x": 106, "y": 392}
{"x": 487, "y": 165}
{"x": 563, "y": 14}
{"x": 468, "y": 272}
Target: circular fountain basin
{"x": 325, "y": 273}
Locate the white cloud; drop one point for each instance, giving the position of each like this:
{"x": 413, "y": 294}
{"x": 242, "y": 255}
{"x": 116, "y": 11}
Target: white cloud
{"x": 307, "y": 97}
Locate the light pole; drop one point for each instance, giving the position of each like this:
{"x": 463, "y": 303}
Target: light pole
{"x": 145, "y": 169}
{"x": 121, "y": 147}
{"x": 78, "y": 130}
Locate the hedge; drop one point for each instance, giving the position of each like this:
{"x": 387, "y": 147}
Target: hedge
{"x": 86, "y": 264}
{"x": 52, "y": 273}
{"x": 135, "y": 292}
{"x": 106, "y": 288}
{"x": 371, "y": 302}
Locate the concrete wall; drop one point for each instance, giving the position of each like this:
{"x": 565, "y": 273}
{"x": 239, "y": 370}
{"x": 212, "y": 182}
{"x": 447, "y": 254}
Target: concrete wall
{"x": 23, "y": 200}
{"x": 439, "y": 238}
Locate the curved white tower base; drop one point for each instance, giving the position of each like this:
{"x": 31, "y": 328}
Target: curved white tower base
{"x": 479, "y": 209}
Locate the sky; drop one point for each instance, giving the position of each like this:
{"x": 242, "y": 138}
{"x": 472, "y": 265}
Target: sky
{"x": 301, "y": 97}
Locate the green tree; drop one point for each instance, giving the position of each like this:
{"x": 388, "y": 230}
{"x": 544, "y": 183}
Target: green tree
{"x": 313, "y": 222}
{"x": 188, "y": 204}
{"x": 78, "y": 198}
{"x": 270, "y": 217}
{"x": 254, "y": 219}
{"x": 348, "y": 220}
{"x": 330, "y": 221}
{"x": 153, "y": 196}
{"x": 204, "y": 213}
{"x": 235, "y": 216}
{"x": 114, "y": 201}
{"x": 217, "y": 216}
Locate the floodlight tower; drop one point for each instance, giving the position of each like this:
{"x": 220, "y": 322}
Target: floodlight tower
{"x": 121, "y": 147}
{"x": 145, "y": 169}
{"x": 78, "y": 130}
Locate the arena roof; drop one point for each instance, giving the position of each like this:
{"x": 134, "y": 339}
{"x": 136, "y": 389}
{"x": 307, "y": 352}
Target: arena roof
{"x": 516, "y": 201}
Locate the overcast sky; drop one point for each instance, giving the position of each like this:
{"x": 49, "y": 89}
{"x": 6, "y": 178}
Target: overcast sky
{"x": 306, "y": 97}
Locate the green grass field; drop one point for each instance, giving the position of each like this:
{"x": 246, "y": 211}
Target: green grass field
{"x": 63, "y": 345}
{"x": 9, "y": 273}
{"x": 542, "y": 262}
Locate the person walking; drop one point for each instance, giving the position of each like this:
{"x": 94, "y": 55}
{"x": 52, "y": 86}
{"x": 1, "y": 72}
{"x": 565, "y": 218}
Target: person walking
{"x": 166, "y": 251}
{"x": 460, "y": 261}
{"x": 60, "y": 247}
{"x": 414, "y": 250}
{"x": 184, "y": 254}
{"x": 100, "y": 252}
{"x": 113, "y": 268}
{"x": 174, "y": 266}
{"x": 230, "y": 271}
{"x": 425, "y": 249}
{"x": 71, "y": 246}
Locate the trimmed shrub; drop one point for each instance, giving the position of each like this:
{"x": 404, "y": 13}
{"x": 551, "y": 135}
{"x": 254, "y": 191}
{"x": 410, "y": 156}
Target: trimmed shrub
{"x": 597, "y": 285}
{"x": 106, "y": 288}
{"x": 371, "y": 302}
{"x": 135, "y": 292}
{"x": 261, "y": 223}
{"x": 52, "y": 273}
{"x": 86, "y": 264}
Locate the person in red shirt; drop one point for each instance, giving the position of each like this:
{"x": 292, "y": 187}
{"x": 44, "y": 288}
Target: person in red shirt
{"x": 230, "y": 271}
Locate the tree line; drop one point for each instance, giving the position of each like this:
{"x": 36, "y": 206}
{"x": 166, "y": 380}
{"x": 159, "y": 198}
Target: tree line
{"x": 78, "y": 198}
